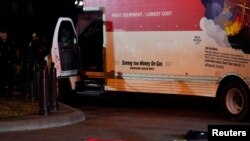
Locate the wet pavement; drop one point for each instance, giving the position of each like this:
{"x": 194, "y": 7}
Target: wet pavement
{"x": 130, "y": 120}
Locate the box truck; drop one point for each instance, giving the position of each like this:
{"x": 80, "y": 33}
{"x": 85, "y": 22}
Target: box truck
{"x": 194, "y": 47}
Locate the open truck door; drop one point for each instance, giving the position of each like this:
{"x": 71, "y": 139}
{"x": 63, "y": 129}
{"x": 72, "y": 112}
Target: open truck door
{"x": 65, "y": 51}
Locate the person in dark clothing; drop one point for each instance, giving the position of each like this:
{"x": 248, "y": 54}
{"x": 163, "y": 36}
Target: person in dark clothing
{"x": 34, "y": 56}
{"x": 7, "y": 58}
{"x": 37, "y": 48}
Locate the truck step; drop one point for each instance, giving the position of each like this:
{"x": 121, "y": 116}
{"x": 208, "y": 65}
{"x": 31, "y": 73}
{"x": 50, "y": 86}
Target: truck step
{"x": 89, "y": 93}
{"x": 90, "y": 87}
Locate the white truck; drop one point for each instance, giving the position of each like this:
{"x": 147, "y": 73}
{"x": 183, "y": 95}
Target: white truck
{"x": 194, "y": 47}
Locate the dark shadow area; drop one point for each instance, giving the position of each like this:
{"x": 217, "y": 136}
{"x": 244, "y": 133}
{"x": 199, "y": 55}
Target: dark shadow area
{"x": 91, "y": 43}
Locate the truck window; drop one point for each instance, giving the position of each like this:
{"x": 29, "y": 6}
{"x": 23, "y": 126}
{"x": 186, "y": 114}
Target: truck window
{"x": 66, "y": 34}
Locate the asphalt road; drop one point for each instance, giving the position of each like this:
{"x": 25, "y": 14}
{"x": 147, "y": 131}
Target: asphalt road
{"x": 140, "y": 118}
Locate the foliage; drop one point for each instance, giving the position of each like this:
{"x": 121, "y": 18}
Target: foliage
{"x": 12, "y": 108}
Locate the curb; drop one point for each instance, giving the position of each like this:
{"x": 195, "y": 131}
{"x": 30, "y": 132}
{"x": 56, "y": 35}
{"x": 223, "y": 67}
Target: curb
{"x": 66, "y": 116}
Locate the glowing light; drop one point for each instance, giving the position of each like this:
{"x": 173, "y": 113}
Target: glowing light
{"x": 79, "y": 3}
{"x": 239, "y": 21}
{"x": 76, "y": 2}
{"x": 235, "y": 27}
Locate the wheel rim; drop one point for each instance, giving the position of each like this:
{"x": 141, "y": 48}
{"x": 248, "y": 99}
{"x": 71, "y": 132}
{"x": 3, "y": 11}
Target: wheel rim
{"x": 234, "y": 101}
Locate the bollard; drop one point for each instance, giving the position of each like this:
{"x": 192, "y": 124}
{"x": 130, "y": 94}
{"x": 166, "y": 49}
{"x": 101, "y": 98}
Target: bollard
{"x": 53, "y": 88}
{"x": 43, "y": 94}
{"x": 29, "y": 80}
{"x": 36, "y": 80}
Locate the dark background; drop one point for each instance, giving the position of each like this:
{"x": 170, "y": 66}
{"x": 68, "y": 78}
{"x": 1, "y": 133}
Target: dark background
{"x": 23, "y": 17}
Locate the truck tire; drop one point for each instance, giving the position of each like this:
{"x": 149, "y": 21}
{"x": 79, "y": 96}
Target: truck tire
{"x": 235, "y": 101}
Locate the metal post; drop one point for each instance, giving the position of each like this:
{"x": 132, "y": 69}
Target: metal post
{"x": 43, "y": 95}
{"x": 36, "y": 82}
{"x": 29, "y": 79}
{"x": 53, "y": 88}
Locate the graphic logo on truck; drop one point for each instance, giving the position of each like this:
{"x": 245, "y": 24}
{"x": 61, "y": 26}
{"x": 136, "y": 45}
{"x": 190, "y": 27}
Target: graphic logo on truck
{"x": 227, "y": 21}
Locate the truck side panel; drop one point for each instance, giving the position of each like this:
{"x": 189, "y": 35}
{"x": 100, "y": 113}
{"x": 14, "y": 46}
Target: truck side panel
{"x": 175, "y": 46}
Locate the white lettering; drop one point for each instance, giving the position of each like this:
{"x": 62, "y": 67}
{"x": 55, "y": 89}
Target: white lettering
{"x": 230, "y": 133}
{"x": 136, "y": 14}
{"x": 244, "y": 133}
{"x": 215, "y": 132}
{"x": 153, "y": 13}
{"x": 166, "y": 13}
{"x": 116, "y": 15}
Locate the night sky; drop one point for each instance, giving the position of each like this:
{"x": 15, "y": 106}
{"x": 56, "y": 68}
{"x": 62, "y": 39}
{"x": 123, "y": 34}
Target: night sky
{"x": 23, "y": 17}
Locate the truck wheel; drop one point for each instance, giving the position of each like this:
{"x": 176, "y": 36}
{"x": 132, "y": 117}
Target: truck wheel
{"x": 235, "y": 101}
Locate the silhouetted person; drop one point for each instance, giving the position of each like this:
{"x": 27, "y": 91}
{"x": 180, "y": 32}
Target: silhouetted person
{"x": 34, "y": 56}
{"x": 7, "y": 59}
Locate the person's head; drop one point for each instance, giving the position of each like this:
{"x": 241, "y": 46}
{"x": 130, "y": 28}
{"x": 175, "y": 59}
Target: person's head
{"x": 35, "y": 36}
{"x": 4, "y": 35}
